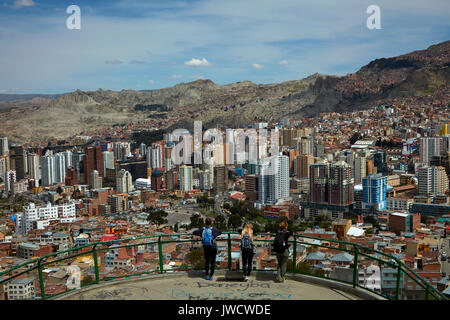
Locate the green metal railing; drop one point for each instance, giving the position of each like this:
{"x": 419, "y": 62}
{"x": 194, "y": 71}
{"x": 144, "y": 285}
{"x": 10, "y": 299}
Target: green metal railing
{"x": 361, "y": 255}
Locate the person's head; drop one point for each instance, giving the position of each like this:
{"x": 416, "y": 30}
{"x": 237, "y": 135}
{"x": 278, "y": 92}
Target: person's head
{"x": 283, "y": 225}
{"x": 248, "y": 228}
{"x": 208, "y": 222}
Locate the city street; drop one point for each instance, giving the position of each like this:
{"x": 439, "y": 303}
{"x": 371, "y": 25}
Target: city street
{"x": 444, "y": 247}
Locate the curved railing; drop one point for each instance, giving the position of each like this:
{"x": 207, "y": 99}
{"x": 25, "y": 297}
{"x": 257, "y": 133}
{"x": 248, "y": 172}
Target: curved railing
{"x": 363, "y": 267}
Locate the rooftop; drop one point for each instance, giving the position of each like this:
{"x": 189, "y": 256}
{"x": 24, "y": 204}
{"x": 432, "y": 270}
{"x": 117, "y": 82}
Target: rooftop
{"x": 192, "y": 286}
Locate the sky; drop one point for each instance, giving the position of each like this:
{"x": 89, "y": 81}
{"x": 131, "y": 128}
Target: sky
{"x": 145, "y": 45}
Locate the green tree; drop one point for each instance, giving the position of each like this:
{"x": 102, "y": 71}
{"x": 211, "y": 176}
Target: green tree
{"x": 234, "y": 221}
{"x": 220, "y": 222}
{"x": 196, "y": 221}
{"x": 157, "y": 216}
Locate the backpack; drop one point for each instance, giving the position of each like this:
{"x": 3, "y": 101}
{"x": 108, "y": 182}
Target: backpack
{"x": 246, "y": 243}
{"x": 280, "y": 244}
{"x": 207, "y": 237}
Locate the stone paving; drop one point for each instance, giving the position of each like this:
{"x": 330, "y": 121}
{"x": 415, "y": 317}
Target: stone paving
{"x": 194, "y": 287}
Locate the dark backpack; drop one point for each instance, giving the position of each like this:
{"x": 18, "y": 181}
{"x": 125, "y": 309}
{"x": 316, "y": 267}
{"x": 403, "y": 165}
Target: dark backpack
{"x": 280, "y": 244}
{"x": 207, "y": 237}
{"x": 246, "y": 243}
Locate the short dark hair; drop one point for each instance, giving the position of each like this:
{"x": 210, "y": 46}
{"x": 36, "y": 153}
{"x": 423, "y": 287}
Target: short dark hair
{"x": 208, "y": 221}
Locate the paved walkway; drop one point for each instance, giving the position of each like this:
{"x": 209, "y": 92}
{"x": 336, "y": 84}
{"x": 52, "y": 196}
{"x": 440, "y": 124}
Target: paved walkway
{"x": 193, "y": 287}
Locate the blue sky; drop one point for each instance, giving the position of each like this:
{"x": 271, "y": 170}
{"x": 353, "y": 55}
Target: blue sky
{"x": 156, "y": 44}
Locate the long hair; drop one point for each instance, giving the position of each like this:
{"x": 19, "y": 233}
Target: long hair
{"x": 248, "y": 229}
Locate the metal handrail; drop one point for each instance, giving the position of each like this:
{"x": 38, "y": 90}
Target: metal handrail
{"x": 357, "y": 250}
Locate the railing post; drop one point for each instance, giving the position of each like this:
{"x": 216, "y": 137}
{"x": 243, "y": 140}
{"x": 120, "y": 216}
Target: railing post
{"x": 294, "y": 256}
{"x": 161, "y": 264}
{"x": 229, "y": 252}
{"x": 355, "y": 267}
{"x": 427, "y": 293}
{"x": 97, "y": 275}
{"x": 41, "y": 280}
{"x": 397, "y": 289}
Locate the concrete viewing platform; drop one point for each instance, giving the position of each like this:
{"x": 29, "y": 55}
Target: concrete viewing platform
{"x": 192, "y": 286}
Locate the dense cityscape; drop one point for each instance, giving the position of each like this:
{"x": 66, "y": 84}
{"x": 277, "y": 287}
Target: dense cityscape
{"x": 376, "y": 177}
{"x": 260, "y": 153}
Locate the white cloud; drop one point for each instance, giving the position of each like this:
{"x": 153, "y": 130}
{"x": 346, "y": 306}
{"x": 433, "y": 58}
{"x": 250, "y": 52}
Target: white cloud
{"x": 113, "y": 62}
{"x": 137, "y": 62}
{"x": 23, "y": 3}
{"x": 198, "y": 63}
{"x": 151, "y": 81}
{"x": 283, "y": 62}
{"x": 257, "y": 66}
{"x": 176, "y": 76}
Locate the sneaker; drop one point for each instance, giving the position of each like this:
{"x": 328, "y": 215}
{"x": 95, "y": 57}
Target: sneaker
{"x": 207, "y": 278}
{"x": 210, "y": 278}
{"x": 245, "y": 278}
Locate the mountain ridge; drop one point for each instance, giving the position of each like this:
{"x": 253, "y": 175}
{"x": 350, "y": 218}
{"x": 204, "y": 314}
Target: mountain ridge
{"x": 415, "y": 74}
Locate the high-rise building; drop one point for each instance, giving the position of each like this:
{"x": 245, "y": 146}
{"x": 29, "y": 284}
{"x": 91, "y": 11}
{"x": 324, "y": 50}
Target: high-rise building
{"x": 4, "y": 165}
{"x": 360, "y": 168}
{"x": 18, "y": 158}
{"x": 429, "y": 147}
{"x": 10, "y": 178}
{"x": 331, "y": 190}
{"x": 124, "y": 182}
{"x": 96, "y": 180}
{"x": 155, "y": 156}
{"x": 185, "y": 178}
{"x": 374, "y": 192}
{"x": 4, "y": 146}
{"x": 279, "y": 180}
{"x": 93, "y": 160}
{"x": 34, "y": 170}
{"x": 432, "y": 180}
{"x": 340, "y": 184}
{"x": 78, "y": 164}
{"x": 273, "y": 181}
{"x": 157, "y": 180}
{"x": 71, "y": 177}
{"x": 380, "y": 162}
{"x": 171, "y": 179}
{"x": 108, "y": 158}
{"x": 251, "y": 187}
{"x": 143, "y": 149}
{"x": 220, "y": 179}
{"x": 47, "y": 170}
{"x": 318, "y": 186}
{"x": 121, "y": 150}
{"x": 304, "y": 161}
{"x": 305, "y": 145}
{"x": 118, "y": 203}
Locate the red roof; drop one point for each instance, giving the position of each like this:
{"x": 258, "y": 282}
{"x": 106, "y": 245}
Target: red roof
{"x": 108, "y": 237}
{"x": 238, "y": 196}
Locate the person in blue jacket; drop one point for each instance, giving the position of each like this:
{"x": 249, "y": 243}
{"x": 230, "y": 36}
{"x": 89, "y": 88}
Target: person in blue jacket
{"x": 209, "y": 235}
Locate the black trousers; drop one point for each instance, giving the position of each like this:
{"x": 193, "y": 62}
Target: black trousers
{"x": 247, "y": 262}
{"x": 210, "y": 260}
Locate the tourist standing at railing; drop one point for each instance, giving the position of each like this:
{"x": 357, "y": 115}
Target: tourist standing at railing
{"x": 209, "y": 235}
{"x": 247, "y": 250}
{"x": 281, "y": 247}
